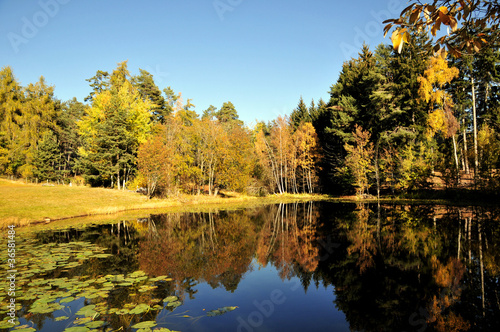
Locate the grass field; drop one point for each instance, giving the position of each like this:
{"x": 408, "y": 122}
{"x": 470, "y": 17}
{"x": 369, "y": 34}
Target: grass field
{"x": 23, "y": 204}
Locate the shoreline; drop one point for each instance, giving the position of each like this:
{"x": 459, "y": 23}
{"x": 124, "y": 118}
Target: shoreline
{"x": 30, "y": 204}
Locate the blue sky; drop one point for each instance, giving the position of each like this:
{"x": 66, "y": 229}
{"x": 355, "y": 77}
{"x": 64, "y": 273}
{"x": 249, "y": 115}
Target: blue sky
{"x": 261, "y": 55}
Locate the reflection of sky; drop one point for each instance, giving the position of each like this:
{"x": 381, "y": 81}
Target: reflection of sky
{"x": 294, "y": 310}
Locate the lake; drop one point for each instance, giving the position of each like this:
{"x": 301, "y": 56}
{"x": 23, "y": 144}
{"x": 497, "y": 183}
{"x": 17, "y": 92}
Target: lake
{"x": 314, "y": 266}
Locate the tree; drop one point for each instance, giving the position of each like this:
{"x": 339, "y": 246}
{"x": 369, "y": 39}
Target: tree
{"x": 148, "y": 90}
{"x": 308, "y": 155}
{"x": 474, "y": 24}
{"x": 209, "y": 113}
{"x": 155, "y": 161}
{"x": 10, "y": 112}
{"x": 39, "y": 111}
{"x": 228, "y": 114}
{"x": 300, "y": 114}
{"x": 67, "y": 135}
{"x": 112, "y": 129}
{"x": 47, "y": 159}
{"x": 98, "y": 83}
{"x": 432, "y": 83}
{"x": 359, "y": 159}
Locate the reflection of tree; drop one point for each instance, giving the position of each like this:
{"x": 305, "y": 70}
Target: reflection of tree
{"x": 363, "y": 240}
{"x": 213, "y": 247}
{"x": 391, "y": 275}
{"x": 394, "y": 267}
{"x": 448, "y": 277}
{"x": 289, "y": 237}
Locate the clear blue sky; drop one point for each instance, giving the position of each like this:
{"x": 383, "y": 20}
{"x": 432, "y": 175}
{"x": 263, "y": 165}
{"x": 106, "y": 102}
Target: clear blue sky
{"x": 262, "y": 55}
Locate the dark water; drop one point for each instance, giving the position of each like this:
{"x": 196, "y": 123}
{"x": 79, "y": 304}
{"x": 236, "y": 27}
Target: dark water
{"x": 289, "y": 267}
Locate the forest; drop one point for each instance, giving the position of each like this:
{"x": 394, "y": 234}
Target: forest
{"x": 397, "y": 121}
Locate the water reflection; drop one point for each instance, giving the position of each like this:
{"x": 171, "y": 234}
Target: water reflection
{"x": 392, "y": 267}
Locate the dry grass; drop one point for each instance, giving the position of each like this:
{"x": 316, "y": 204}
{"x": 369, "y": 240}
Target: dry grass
{"x": 24, "y": 204}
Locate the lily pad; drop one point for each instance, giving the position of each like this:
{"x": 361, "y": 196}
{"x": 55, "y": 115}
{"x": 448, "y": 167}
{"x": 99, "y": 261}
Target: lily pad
{"x": 67, "y": 299}
{"x": 140, "y": 309}
{"x": 144, "y": 325}
{"x": 220, "y": 311}
{"x": 77, "y": 329}
{"x": 170, "y": 299}
{"x": 87, "y": 311}
{"x": 95, "y": 324}
{"x": 24, "y": 329}
{"x": 60, "y": 318}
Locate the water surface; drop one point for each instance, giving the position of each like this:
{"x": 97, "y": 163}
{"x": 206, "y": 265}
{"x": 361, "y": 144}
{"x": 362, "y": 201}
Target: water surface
{"x": 286, "y": 267}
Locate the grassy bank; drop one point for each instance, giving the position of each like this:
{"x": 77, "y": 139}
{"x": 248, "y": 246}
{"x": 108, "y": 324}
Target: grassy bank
{"x": 24, "y": 204}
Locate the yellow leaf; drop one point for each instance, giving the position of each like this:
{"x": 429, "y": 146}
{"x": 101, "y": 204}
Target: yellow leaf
{"x": 399, "y": 37}
{"x": 443, "y": 9}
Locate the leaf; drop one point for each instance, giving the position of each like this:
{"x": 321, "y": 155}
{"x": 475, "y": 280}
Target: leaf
{"x": 144, "y": 325}
{"x": 220, "y": 311}
{"x": 60, "y": 318}
{"x": 170, "y": 298}
{"x": 25, "y": 329}
{"x": 95, "y": 324}
{"x": 67, "y": 299}
{"x": 414, "y": 15}
{"x": 87, "y": 311}
{"x": 140, "y": 309}
{"x": 77, "y": 329}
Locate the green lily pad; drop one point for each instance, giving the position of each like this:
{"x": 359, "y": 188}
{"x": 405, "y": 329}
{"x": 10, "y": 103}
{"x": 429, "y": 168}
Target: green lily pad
{"x": 5, "y": 324}
{"x": 67, "y": 299}
{"x": 24, "y": 329}
{"x": 220, "y": 311}
{"x": 60, "y": 318}
{"x": 77, "y": 329}
{"x": 174, "y": 304}
{"x": 87, "y": 311}
{"x": 95, "y": 324}
{"x": 140, "y": 309}
{"x": 144, "y": 325}
{"x": 170, "y": 299}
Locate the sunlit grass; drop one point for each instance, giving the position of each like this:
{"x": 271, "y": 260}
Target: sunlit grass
{"x": 23, "y": 204}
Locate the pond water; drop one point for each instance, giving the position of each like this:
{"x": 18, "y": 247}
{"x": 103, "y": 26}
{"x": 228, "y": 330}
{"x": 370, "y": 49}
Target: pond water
{"x": 287, "y": 267}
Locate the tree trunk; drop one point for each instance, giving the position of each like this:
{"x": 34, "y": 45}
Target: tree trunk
{"x": 476, "y": 162}
{"x": 466, "y": 160}
{"x": 456, "y": 157}
{"x": 118, "y": 179}
{"x": 481, "y": 264}
{"x": 459, "y": 235}
{"x": 377, "y": 174}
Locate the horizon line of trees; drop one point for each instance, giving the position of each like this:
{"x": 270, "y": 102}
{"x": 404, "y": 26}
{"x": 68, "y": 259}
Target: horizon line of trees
{"x": 391, "y": 122}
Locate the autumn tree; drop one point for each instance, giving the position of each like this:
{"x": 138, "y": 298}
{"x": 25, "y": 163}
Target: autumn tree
{"x": 432, "y": 84}
{"x": 10, "y": 131}
{"x": 359, "y": 159}
{"x": 155, "y": 161}
{"x": 473, "y": 24}
{"x": 308, "y": 155}
{"x": 112, "y": 129}
{"x": 289, "y": 160}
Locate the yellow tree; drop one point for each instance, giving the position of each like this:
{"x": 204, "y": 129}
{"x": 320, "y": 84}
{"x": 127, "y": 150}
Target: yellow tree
{"x": 359, "y": 159}
{"x": 156, "y": 162}
{"x": 267, "y": 159}
{"x": 281, "y": 140}
{"x": 307, "y": 143}
{"x": 38, "y": 114}
{"x": 112, "y": 130}
{"x": 473, "y": 23}
{"x": 432, "y": 85}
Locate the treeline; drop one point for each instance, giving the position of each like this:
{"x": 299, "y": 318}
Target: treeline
{"x": 392, "y": 122}
{"x": 395, "y": 120}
